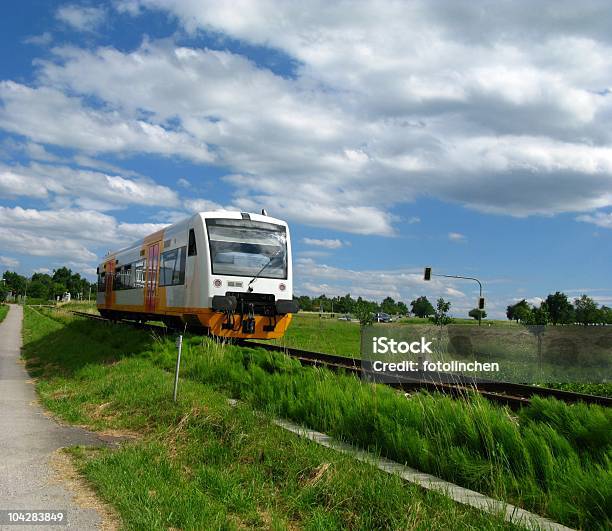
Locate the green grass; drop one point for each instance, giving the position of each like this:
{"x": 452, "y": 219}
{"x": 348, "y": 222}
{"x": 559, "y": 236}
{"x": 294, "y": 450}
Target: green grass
{"x": 82, "y": 306}
{"x": 551, "y": 458}
{"x": 601, "y": 389}
{"x": 35, "y": 301}
{"x": 200, "y": 464}
{"x": 309, "y": 332}
{"x": 3, "y": 311}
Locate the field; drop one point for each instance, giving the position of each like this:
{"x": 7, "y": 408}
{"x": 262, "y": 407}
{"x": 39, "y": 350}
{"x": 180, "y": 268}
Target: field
{"x": 200, "y": 463}
{"x": 3, "y": 311}
{"x": 551, "y": 458}
{"x": 326, "y": 334}
{"x": 309, "y": 332}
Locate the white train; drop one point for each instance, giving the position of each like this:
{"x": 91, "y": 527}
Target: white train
{"x": 227, "y": 272}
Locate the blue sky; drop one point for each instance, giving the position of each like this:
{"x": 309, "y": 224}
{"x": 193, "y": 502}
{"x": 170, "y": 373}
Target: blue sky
{"x": 390, "y": 135}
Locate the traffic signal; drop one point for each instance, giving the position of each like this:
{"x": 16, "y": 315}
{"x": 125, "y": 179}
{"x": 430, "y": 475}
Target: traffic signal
{"x": 481, "y": 303}
{"x": 427, "y": 273}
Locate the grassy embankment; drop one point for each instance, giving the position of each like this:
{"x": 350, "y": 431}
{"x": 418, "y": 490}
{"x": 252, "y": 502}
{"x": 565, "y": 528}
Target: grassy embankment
{"x": 552, "y": 458}
{"x": 200, "y": 464}
{"x": 3, "y": 311}
{"x": 309, "y": 332}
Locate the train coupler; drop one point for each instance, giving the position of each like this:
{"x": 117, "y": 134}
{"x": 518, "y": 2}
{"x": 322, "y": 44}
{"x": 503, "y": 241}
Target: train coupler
{"x": 248, "y": 326}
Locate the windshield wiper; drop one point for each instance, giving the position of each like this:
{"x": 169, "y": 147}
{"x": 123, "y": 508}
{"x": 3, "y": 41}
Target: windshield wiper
{"x": 249, "y": 286}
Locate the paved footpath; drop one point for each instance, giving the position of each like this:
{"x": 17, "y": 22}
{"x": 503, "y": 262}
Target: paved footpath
{"x": 28, "y": 438}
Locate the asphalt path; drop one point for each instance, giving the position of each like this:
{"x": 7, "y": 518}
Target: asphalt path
{"x": 28, "y": 439}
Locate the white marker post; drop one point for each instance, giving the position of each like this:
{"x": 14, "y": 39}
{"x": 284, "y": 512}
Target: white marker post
{"x": 179, "y": 344}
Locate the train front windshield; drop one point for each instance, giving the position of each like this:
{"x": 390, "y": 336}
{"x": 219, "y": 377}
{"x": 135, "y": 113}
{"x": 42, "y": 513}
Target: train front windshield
{"x": 241, "y": 247}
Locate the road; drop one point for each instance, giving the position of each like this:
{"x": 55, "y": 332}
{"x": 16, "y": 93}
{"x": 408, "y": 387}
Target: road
{"x": 28, "y": 439}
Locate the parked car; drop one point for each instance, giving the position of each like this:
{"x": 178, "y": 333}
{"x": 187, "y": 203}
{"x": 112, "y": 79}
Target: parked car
{"x": 345, "y": 317}
{"x": 382, "y": 317}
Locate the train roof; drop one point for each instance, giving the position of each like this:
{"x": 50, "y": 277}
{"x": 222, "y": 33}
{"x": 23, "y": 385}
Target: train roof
{"x": 223, "y": 214}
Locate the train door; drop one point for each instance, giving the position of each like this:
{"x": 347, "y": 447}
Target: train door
{"x": 109, "y": 268}
{"x": 151, "y": 283}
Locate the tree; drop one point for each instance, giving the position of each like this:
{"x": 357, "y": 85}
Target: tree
{"x": 521, "y": 311}
{"x": 305, "y": 302}
{"x": 38, "y": 290}
{"x": 402, "y": 309}
{"x": 586, "y": 310}
{"x": 537, "y": 316}
{"x": 388, "y": 305}
{"x": 344, "y": 304}
{"x": 15, "y": 282}
{"x": 41, "y": 286}
{"x": 421, "y": 307}
{"x": 4, "y": 291}
{"x": 560, "y": 309}
{"x": 477, "y": 314}
{"x": 441, "y": 313}
{"x": 605, "y": 315}
{"x": 363, "y": 312}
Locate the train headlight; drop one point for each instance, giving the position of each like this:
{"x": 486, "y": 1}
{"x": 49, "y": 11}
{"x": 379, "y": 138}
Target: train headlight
{"x": 217, "y": 283}
{"x": 282, "y": 287}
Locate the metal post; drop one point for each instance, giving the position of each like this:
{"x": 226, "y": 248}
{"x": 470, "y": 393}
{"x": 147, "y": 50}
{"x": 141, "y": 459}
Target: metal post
{"x": 465, "y": 278}
{"x": 179, "y": 344}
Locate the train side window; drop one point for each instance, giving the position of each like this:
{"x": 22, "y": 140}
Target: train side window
{"x": 137, "y": 279}
{"x": 125, "y": 277}
{"x": 172, "y": 267}
{"x": 192, "y": 249}
{"x": 102, "y": 282}
{"x": 117, "y": 279}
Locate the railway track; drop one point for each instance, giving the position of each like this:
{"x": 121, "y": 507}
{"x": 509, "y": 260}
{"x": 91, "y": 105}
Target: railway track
{"x": 506, "y": 393}
{"x": 512, "y": 394}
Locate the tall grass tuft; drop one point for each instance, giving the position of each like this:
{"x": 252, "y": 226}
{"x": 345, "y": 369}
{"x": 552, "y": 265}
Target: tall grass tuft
{"x": 552, "y": 457}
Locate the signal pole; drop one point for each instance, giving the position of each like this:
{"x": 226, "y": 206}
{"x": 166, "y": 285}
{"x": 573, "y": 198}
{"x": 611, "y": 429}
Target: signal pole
{"x": 481, "y": 302}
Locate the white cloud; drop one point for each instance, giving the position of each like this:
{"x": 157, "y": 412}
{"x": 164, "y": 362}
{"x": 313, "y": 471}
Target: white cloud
{"x": 48, "y": 116}
{"x": 44, "y": 270}
{"x": 457, "y": 237}
{"x": 30, "y": 243}
{"x": 183, "y": 183}
{"x": 73, "y": 235}
{"x": 81, "y": 18}
{"x": 387, "y": 101}
{"x": 201, "y": 205}
{"x": 312, "y": 254}
{"x": 43, "y": 39}
{"x": 534, "y": 301}
{"x": 88, "y": 189}
{"x": 134, "y": 231}
{"x": 355, "y": 219}
{"x": 404, "y": 284}
{"x": 452, "y": 292}
{"x": 601, "y": 219}
{"x": 326, "y": 243}
{"x": 9, "y": 262}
